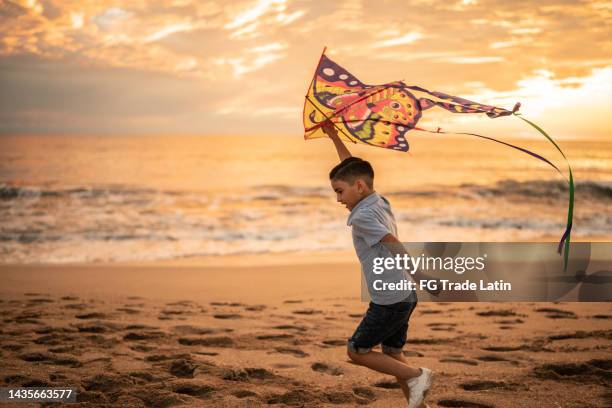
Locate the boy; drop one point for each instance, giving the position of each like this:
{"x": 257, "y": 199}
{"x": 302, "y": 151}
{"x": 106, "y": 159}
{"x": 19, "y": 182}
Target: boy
{"x": 386, "y": 320}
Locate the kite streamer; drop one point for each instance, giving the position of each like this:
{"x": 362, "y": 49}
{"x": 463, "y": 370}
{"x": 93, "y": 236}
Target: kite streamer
{"x": 381, "y": 115}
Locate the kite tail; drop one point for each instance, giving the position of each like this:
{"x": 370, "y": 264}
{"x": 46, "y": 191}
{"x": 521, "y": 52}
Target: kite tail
{"x": 565, "y": 239}
{"x": 460, "y": 105}
{"x": 570, "y": 209}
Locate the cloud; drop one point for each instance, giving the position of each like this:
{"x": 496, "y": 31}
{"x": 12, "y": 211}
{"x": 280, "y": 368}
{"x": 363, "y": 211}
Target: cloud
{"x": 167, "y": 30}
{"x": 255, "y": 58}
{"x": 472, "y": 60}
{"x": 408, "y": 38}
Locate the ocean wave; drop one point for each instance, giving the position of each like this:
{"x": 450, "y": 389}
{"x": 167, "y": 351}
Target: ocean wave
{"x": 545, "y": 188}
{"x": 11, "y": 192}
{"x": 549, "y": 189}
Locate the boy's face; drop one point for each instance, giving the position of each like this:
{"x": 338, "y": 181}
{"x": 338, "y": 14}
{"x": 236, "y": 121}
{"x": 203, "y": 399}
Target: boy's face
{"x": 348, "y": 194}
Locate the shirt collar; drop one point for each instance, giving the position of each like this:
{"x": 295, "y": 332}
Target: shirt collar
{"x": 365, "y": 202}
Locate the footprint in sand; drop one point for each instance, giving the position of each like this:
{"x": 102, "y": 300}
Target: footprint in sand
{"x": 326, "y": 369}
{"x": 142, "y": 348}
{"x": 581, "y": 334}
{"x": 102, "y": 342}
{"x": 93, "y": 315}
{"x": 97, "y": 327}
{"x": 144, "y": 335}
{"x": 297, "y": 397}
{"x": 76, "y": 306}
{"x": 498, "y": 313}
{"x": 105, "y": 383}
{"x": 412, "y": 353}
{"x": 502, "y": 348}
{"x": 290, "y": 327}
{"x": 459, "y": 360}
{"x": 28, "y": 317}
{"x": 213, "y": 341}
{"x": 426, "y": 311}
{"x": 285, "y": 365}
{"x": 62, "y": 349}
{"x": 307, "y": 312}
{"x": 184, "y": 303}
{"x": 128, "y": 310}
{"x": 70, "y": 298}
{"x": 510, "y": 321}
{"x": 227, "y": 316}
{"x": 598, "y": 371}
{"x": 141, "y": 327}
{"x": 37, "y": 301}
{"x": 155, "y": 397}
{"x": 552, "y": 313}
{"x": 23, "y": 381}
{"x": 430, "y": 341}
{"x": 481, "y": 385}
{"x": 14, "y": 379}
{"x": 255, "y": 308}
{"x": 54, "y": 329}
{"x": 365, "y": 392}
{"x": 153, "y": 358}
{"x": 493, "y": 358}
{"x": 54, "y": 339}
{"x": 188, "y": 329}
{"x": 232, "y": 304}
{"x": 452, "y": 402}
{"x": 439, "y": 326}
{"x": 193, "y": 389}
{"x": 281, "y": 336}
{"x": 12, "y": 346}
{"x": 386, "y": 384}
{"x": 292, "y": 351}
{"x": 48, "y": 358}
{"x": 334, "y": 342}
{"x": 244, "y": 393}
{"x": 175, "y": 312}
{"x": 247, "y": 374}
{"x": 143, "y": 377}
{"x": 182, "y": 368}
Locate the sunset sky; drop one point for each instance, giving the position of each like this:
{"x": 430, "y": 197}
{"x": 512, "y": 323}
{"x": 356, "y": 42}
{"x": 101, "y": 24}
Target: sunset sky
{"x": 243, "y": 67}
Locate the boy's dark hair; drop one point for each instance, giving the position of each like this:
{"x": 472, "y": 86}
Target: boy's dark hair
{"x": 352, "y": 168}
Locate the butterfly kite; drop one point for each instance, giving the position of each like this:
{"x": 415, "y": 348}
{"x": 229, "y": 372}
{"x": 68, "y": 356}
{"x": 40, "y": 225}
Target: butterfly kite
{"x": 382, "y": 115}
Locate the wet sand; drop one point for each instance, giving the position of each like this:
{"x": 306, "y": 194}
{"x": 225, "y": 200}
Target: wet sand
{"x": 248, "y": 334}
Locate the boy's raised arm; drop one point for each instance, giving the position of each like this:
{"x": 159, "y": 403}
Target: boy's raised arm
{"x": 331, "y": 131}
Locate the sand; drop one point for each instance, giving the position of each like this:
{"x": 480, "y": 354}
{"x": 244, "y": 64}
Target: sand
{"x": 238, "y": 333}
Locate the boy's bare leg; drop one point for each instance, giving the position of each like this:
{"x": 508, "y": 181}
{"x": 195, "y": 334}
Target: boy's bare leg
{"x": 383, "y": 363}
{"x": 402, "y": 383}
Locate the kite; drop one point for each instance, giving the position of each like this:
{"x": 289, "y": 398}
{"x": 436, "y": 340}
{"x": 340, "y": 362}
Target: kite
{"x": 382, "y": 115}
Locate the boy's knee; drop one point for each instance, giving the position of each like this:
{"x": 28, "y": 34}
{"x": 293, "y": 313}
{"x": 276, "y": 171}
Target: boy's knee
{"x": 354, "y": 353}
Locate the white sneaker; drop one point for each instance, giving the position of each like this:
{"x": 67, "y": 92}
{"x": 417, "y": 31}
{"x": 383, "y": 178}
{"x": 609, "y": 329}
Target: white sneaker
{"x": 419, "y": 386}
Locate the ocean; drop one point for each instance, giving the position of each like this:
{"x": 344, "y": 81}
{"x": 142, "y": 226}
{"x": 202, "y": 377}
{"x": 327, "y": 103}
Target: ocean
{"x": 67, "y": 199}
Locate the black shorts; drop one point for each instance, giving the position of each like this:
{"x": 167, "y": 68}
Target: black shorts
{"x": 383, "y": 324}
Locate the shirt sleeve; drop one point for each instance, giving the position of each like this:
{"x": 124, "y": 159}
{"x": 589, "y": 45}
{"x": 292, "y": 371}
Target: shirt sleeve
{"x": 368, "y": 227}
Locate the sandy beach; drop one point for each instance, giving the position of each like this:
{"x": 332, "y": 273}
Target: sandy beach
{"x": 243, "y": 334}
{"x": 189, "y": 192}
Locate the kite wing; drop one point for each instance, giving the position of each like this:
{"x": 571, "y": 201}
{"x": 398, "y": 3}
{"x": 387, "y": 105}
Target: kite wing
{"x": 378, "y": 115}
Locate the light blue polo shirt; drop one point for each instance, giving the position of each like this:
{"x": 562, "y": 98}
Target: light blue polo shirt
{"x": 371, "y": 219}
